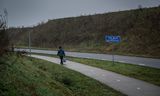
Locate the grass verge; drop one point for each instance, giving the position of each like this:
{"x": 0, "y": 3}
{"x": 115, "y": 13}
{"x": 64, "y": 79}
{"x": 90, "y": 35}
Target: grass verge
{"x": 24, "y": 76}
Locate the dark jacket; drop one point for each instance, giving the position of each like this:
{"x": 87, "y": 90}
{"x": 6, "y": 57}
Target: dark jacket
{"x": 61, "y": 52}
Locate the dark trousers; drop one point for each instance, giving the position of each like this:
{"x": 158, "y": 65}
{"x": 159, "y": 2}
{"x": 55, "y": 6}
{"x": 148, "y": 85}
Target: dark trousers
{"x": 61, "y": 58}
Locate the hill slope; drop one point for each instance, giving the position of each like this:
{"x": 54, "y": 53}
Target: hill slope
{"x": 23, "y": 76}
{"x": 139, "y": 29}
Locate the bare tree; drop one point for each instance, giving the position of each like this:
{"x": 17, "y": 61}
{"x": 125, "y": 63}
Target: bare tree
{"x": 3, "y": 33}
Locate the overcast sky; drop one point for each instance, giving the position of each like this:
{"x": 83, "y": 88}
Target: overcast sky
{"x": 31, "y": 12}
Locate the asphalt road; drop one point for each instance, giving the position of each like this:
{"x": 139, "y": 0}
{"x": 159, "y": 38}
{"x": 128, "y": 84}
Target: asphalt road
{"x": 150, "y": 62}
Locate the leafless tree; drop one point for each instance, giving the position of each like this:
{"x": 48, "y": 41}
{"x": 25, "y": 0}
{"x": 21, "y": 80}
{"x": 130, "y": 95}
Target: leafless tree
{"x": 3, "y": 32}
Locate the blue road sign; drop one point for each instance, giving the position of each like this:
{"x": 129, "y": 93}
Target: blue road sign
{"x": 114, "y": 39}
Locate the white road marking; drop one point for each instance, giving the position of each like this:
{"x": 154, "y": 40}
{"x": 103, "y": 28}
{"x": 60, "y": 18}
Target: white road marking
{"x": 121, "y": 61}
{"x": 118, "y": 80}
{"x": 103, "y": 59}
{"x": 141, "y": 64}
{"x": 138, "y": 88}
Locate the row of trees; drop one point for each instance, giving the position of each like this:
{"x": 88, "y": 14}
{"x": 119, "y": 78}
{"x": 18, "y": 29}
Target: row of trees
{"x": 4, "y": 41}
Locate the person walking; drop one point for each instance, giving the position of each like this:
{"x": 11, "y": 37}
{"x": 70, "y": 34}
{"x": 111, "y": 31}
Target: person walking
{"x": 61, "y": 54}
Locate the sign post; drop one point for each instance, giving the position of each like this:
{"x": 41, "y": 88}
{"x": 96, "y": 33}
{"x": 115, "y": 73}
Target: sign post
{"x": 112, "y": 39}
{"x": 113, "y": 56}
{"x": 29, "y": 42}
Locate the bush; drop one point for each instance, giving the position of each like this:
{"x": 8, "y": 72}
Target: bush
{"x": 3, "y": 41}
{"x": 67, "y": 81}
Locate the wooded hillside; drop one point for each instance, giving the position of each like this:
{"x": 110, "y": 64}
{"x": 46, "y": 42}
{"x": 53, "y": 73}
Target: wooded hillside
{"x": 139, "y": 30}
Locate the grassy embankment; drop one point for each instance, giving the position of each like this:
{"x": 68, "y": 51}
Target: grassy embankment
{"x": 151, "y": 75}
{"x": 24, "y": 76}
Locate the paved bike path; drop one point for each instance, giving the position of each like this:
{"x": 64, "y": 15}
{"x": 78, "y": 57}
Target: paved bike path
{"x": 124, "y": 84}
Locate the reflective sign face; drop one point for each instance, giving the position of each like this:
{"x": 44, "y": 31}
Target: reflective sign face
{"x": 114, "y": 39}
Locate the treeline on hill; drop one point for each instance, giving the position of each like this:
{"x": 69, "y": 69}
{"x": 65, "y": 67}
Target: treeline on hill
{"x": 139, "y": 30}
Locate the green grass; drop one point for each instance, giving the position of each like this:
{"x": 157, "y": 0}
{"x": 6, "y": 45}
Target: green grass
{"x": 151, "y": 75}
{"x": 24, "y": 76}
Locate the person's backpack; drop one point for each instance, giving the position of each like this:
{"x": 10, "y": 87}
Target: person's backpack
{"x": 61, "y": 53}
